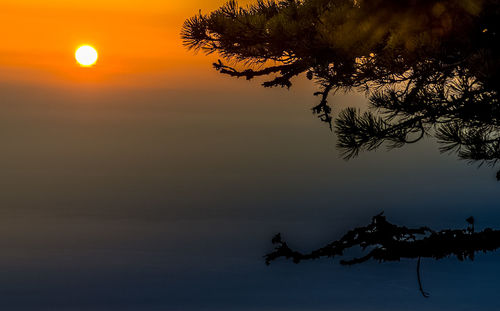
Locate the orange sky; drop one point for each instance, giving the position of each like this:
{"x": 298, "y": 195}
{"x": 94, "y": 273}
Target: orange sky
{"x": 138, "y": 42}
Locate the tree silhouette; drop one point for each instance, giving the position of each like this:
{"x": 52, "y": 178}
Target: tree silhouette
{"x": 389, "y": 242}
{"x": 429, "y": 67}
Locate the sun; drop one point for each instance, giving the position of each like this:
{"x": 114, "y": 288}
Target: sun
{"x": 86, "y": 55}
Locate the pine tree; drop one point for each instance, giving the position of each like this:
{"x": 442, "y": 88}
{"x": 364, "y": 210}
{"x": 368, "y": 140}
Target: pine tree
{"x": 429, "y": 67}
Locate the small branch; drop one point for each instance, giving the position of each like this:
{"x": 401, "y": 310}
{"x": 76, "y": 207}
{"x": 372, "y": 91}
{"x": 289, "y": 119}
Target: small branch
{"x": 323, "y": 109}
{"x": 425, "y": 294}
{"x": 250, "y": 73}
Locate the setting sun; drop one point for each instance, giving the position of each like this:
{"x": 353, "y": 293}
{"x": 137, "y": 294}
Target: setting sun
{"x": 86, "y": 55}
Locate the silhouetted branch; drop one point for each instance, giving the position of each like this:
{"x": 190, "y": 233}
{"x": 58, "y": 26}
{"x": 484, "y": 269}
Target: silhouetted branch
{"x": 388, "y": 242}
{"x": 392, "y": 243}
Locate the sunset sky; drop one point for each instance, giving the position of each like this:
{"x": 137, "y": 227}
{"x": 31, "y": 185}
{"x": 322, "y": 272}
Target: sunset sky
{"x": 138, "y": 42}
{"x": 150, "y": 182}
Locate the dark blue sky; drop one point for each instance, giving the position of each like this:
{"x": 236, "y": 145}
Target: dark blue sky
{"x": 167, "y": 200}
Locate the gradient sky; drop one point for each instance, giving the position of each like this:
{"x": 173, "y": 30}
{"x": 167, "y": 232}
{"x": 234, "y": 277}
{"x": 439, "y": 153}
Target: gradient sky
{"x": 150, "y": 182}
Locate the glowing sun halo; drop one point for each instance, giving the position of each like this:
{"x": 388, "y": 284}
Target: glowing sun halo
{"x": 86, "y": 55}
